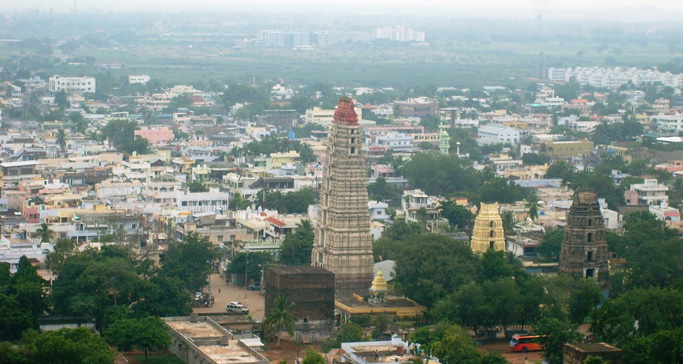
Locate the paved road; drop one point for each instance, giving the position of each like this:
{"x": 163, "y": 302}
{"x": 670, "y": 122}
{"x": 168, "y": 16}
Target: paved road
{"x": 228, "y": 293}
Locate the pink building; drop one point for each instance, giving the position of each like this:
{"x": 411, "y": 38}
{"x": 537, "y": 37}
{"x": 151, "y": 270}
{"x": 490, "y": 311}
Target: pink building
{"x": 160, "y": 135}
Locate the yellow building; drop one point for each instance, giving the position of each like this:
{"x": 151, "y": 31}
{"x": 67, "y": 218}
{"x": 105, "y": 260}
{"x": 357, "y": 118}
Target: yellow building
{"x": 488, "y": 229}
{"x": 278, "y": 159}
{"x": 567, "y": 149}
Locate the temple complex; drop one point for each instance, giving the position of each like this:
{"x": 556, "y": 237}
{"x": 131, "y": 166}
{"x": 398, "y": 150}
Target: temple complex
{"x": 343, "y": 244}
{"x": 488, "y": 230}
{"x": 584, "y": 251}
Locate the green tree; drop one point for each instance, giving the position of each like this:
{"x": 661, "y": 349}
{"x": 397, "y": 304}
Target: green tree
{"x": 312, "y": 357}
{"x": 22, "y": 299}
{"x": 190, "y": 260}
{"x": 456, "y": 346}
{"x": 297, "y": 246}
{"x": 279, "y": 318}
{"x": 147, "y": 334}
{"x": 401, "y": 229}
{"x": 67, "y": 346}
{"x": 532, "y": 204}
{"x": 80, "y": 123}
{"x": 348, "y": 332}
{"x": 62, "y": 249}
{"x": 197, "y": 186}
{"x": 551, "y": 243}
{"x": 534, "y": 159}
{"x": 458, "y": 216}
{"x": 180, "y": 101}
{"x": 44, "y": 233}
{"x": 584, "y": 298}
{"x": 509, "y": 222}
{"x": 554, "y": 334}
{"x": 594, "y": 360}
{"x": 380, "y": 190}
{"x": 561, "y": 169}
{"x": 430, "y": 266}
{"x": 638, "y": 313}
{"x": 252, "y": 263}
{"x": 61, "y": 139}
{"x": 61, "y": 100}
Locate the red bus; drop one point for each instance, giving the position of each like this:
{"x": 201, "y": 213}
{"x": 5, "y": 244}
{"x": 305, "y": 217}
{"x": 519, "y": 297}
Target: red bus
{"x": 526, "y": 343}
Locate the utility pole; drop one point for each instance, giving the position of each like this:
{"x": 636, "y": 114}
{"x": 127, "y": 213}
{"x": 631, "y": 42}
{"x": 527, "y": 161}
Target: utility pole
{"x": 246, "y": 266}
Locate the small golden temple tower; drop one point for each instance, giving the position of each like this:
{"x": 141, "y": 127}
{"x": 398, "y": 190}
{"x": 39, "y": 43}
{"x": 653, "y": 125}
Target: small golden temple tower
{"x": 488, "y": 229}
{"x": 379, "y": 289}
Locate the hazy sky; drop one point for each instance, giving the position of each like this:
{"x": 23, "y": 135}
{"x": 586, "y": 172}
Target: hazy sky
{"x": 227, "y": 5}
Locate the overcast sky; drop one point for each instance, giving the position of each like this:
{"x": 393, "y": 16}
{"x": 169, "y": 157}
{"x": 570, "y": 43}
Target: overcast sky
{"x": 227, "y": 5}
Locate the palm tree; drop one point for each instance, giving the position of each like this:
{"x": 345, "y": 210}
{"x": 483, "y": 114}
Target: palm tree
{"x": 61, "y": 139}
{"x": 532, "y": 204}
{"x": 280, "y": 317}
{"x": 509, "y": 222}
{"x": 44, "y": 233}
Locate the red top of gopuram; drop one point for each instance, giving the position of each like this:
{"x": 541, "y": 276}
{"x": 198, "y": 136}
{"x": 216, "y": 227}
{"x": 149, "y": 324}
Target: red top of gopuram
{"x": 345, "y": 113}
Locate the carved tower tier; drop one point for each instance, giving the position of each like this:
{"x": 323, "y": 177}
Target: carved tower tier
{"x": 343, "y": 244}
{"x": 584, "y": 251}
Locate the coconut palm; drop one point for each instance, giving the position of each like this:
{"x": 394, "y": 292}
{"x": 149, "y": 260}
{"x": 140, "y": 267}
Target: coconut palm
{"x": 509, "y": 222}
{"x": 44, "y": 233}
{"x": 61, "y": 139}
{"x": 280, "y": 317}
{"x": 532, "y": 204}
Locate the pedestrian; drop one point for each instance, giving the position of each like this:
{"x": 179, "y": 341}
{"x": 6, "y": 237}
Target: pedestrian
{"x": 219, "y": 289}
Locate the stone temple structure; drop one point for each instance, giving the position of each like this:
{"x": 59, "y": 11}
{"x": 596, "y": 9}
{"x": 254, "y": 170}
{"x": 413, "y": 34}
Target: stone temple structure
{"x": 488, "y": 230}
{"x": 343, "y": 244}
{"x": 584, "y": 251}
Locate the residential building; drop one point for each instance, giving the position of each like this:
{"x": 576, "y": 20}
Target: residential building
{"x": 495, "y": 134}
{"x": 202, "y": 340}
{"x": 155, "y": 135}
{"x": 142, "y": 79}
{"x": 71, "y": 84}
{"x": 566, "y": 149}
{"x": 324, "y": 117}
{"x": 418, "y": 107}
{"x": 648, "y": 193}
{"x": 212, "y": 201}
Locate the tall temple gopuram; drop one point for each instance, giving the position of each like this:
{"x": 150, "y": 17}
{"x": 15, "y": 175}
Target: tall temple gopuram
{"x": 584, "y": 251}
{"x": 343, "y": 244}
{"x": 488, "y": 230}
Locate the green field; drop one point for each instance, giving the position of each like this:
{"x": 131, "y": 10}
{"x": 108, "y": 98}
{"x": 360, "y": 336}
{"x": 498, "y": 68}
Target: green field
{"x": 186, "y": 59}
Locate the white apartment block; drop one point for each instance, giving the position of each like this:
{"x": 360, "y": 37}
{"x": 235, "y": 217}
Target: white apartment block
{"x": 212, "y": 201}
{"x": 71, "y": 84}
{"x": 648, "y": 193}
{"x": 494, "y": 134}
{"x": 143, "y": 79}
{"x": 322, "y": 116}
{"x": 613, "y": 78}
{"x": 399, "y": 34}
{"x": 669, "y": 124}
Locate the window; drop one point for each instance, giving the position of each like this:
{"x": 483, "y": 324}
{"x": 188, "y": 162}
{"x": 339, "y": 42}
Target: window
{"x": 590, "y": 237}
{"x": 590, "y": 222}
{"x": 492, "y": 244}
{"x": 491, "y": 234}
{"x": 492, "y": 224}
{"x": 589, "y": 257}
{"x": 589, "y": 273}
